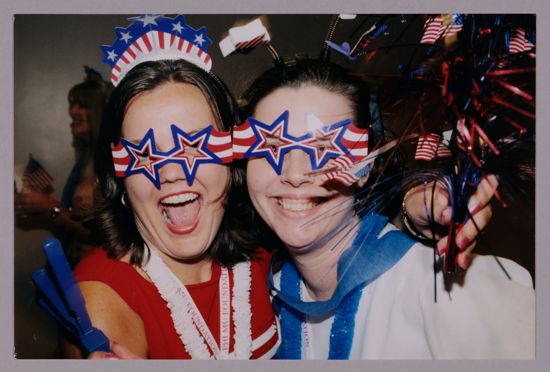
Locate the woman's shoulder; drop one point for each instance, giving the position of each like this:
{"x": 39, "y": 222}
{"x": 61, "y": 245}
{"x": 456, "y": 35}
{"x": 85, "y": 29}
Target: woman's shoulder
{"x": 501, "y": 268}
{"x": 123, "y": 278}
{"x": 97, "y": 263}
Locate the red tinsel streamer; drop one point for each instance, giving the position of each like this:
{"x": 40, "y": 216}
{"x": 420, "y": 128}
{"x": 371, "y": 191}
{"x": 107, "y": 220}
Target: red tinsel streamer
{"x": 510, "y": 71}
{"x": 512, "y": 107}
{"x": 515, "y": 90}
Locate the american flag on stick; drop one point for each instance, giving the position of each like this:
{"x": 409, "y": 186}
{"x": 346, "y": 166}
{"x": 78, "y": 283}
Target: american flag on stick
{"x": 36, "y": 176}
{"x": 342, "y": 171}
{"x": 432, "y": 145}
{"x": 433, "y": 29}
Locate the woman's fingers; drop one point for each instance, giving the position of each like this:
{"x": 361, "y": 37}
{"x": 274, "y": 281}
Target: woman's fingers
{"x": 102, "y": 355}
{"x": 466, "y": 237}
{"x": 442, "y": 246}
{"x": 463, "y": 259}
{"x": 483, "y": 194}
{"x": 122, "y": 352}
{"x": 480, "y": 215}
{"x": 469, "y": 232}
{"x": 117, "y": 352}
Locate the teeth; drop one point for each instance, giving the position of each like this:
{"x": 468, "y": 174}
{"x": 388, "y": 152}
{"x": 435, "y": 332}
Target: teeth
{"x": 180, "y": 198}
{"x": 166, "y": 217}
{"x": 296, "y": 205}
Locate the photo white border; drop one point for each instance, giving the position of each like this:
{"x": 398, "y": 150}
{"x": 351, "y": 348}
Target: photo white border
{"x": 7, "y": 11}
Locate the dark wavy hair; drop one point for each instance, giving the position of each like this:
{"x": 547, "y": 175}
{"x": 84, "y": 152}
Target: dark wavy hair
{"x": 298, "y": 73}
{"x": 322, "y": 74}
{"x": 326, "y": 75}
{"x": 113, "y": 223}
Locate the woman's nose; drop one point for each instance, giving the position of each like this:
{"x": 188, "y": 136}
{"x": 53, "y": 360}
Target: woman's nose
{"x": 171, "y": 172}
{"x": 296, "y": 165}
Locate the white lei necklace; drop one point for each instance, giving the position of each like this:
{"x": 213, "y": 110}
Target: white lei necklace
{"x": 188, "y": 321}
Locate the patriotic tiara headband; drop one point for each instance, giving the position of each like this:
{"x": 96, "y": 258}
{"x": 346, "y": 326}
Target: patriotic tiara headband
{"x": 153, "y": 37}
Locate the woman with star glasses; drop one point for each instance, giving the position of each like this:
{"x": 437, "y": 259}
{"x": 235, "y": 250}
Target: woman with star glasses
{"x": 349, "y": 285}
{"x": 176, "y": 277}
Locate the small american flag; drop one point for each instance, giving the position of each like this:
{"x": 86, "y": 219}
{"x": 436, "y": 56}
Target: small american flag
{"x": 35, "y": 176}
{"x": 342, "y": 172}
{"x": 438, "y": 26}
{"x": 433, "y": 29}
{"x": 430, "y": 146}
{"x": 348, "y": 171}
{"x": 426, "y": 149}
{"x": 518, "y": 42}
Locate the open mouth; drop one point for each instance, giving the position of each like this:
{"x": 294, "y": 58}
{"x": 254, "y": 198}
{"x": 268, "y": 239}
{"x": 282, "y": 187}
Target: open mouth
{"x": 181, "y": 211}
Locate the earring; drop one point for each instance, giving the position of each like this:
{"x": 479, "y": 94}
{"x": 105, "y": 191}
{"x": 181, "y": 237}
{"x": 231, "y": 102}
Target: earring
{"x": 123, "y": 200}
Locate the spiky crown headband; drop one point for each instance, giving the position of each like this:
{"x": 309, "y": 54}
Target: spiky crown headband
{"x": 155, "y": 37}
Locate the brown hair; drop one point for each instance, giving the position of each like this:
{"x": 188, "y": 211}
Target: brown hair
{"x": 114, "y": 223}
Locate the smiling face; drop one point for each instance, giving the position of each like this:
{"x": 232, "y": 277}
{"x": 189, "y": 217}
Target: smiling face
{"x": 179, "y": 220}
{"x": 291, "y": 200}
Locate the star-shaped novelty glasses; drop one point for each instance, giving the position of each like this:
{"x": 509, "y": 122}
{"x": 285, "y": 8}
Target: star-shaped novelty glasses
{"x": 208, "y": 145}
{"x": 272, "y": 141}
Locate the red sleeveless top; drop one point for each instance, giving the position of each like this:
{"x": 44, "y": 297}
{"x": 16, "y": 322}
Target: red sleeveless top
{"x": 162, "y": 340}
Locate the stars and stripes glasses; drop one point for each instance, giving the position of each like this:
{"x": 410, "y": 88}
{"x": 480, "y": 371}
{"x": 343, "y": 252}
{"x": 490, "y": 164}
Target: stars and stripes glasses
{"x": 252, "y": 139}
{"x": 255, "y": 139}
{"x": 206, "y": 146}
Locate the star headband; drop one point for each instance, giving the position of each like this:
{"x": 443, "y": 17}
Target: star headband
{"x": 272, "y": 141}
{"x": 155, "y": 37}
{"x": 207, "y": 146}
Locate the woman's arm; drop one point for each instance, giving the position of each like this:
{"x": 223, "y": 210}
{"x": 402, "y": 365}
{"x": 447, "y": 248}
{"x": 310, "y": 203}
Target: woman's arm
{"x": 112, "y": 315}
{"x": 46, "y": 212}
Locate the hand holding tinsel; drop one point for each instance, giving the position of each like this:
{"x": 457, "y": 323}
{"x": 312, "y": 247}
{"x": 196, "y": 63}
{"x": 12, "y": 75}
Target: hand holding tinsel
{"x": 427, "y": 212}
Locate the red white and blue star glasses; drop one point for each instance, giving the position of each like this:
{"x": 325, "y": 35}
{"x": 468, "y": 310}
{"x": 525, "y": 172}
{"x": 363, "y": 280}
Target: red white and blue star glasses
{"x": 272, "y": 141}
{"x": 207, "y": 146}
